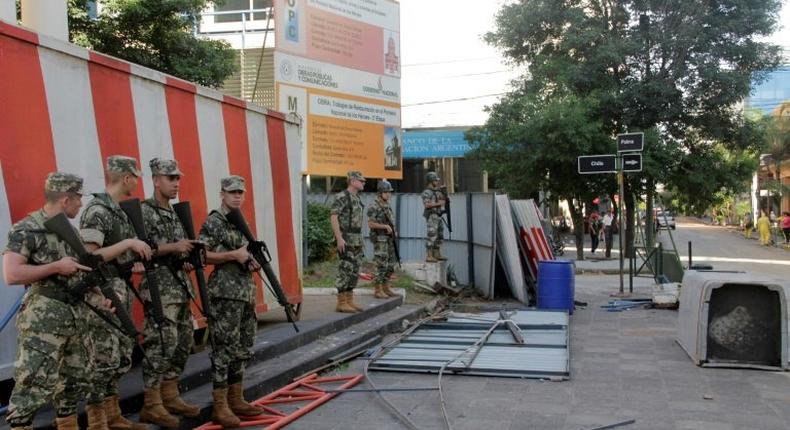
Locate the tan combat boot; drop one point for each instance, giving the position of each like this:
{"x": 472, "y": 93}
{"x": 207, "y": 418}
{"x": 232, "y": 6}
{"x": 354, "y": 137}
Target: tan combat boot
{"x": 238, "y": 405}
{"x": 67, "y": 423}
{"x": 437, "y": 254}
{"x": 96, "y": 418}
{"x": 429, "y": 256}
{"x": 174, "y": 403}
{"x": 379, "y": 293}
{"x": 220, "y": 413}
{"x": 153, "y": 412}
{"x": 115, "y": 420}
{"x": 386, "y": 289}
{"x": 342, "y": 304}
{"x": 350, "y": 301}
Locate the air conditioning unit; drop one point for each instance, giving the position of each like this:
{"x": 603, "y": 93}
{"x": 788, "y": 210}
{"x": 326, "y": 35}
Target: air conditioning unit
{"x": 734, "y": 319}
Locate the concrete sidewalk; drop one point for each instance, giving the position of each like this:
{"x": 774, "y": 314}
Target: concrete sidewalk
{"x": 625, "y": 365}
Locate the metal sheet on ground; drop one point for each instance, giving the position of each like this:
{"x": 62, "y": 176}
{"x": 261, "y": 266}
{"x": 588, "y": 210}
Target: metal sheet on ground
{"x": 545, "y": 353}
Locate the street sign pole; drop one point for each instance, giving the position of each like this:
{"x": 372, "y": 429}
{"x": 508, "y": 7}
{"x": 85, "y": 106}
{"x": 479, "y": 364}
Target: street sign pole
{"x": 621, "y": 192}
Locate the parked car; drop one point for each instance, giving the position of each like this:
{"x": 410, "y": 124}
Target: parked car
{"x": 665, "y": 219}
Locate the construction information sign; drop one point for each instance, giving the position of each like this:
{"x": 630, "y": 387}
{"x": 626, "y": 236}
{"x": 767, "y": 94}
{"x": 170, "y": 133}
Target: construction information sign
{"x": 337, "y": 65}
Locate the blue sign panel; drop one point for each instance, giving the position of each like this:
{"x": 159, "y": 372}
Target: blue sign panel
{"x": 434, "y": 144}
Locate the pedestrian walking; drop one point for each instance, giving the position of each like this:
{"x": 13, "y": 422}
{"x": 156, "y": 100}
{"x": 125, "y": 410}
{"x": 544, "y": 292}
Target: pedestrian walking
{"x": 786, "y": 225}
{"x": 231, "y": 290}
{"x": 595, "y": 230}
{"x": 608, "y": 231}
{"x": 346, "y": 219}
{"x": 764, "y": 228}
{"x": 748, "y": 225}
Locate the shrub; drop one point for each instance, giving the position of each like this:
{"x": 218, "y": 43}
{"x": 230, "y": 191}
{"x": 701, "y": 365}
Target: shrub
{"x": 318, "y": 233}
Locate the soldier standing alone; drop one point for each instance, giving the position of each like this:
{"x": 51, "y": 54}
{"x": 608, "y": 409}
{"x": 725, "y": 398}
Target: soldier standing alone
{"x": 169, "y": 343}
{"x": 346, "y": 221}
{"x": 381, "y": 222}
{"x": 54, "y": 357}
{"x": 232, "y": 294}
{"x": 433, "y": 201}
{"x": 108, "y": 232}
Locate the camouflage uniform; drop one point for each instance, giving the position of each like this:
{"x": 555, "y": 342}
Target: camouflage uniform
{"x": 232, "y": 293}
{"x": 54, "y": 357}
{"x": 169, "y": 345}
{"x": 104, "y": 224}
{"x": 433, "y": 218}
{"x": 383, "y": 247}
{"x": 349, "y": 208}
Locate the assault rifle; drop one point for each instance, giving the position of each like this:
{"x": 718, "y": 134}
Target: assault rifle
{"x": 100, "y": 276}
{"x": 446, "y": 208}
{"x": 394, "y": 237}
{"x": 196, "y": 258}
{"x": 260, "y": 252}
{"x": 134, "y": 211}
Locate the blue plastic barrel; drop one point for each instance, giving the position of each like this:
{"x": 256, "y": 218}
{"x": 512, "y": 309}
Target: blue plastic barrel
{"x": 556, "y": 284}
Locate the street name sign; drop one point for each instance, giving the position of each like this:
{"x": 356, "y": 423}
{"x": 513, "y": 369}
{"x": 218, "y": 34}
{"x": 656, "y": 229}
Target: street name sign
{"x": 630, "y": 142}
{"x": 632, "y": 162}
{"x": 591, "y": 164}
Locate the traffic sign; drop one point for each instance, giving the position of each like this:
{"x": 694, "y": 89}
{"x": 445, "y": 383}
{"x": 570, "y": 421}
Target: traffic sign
{"x": 632, "y": 162}
{"x": 630, "y": 142}
{"x": 591, "y": 164}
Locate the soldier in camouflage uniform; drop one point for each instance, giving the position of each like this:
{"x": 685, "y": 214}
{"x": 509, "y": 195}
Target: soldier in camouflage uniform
{"x": 54, "y": 356}
{"x": 107, "y": 231}
{"x": 232, "y": 293}
{"x": 168, "y": 344}
{"x": 433, "y": 201}
{"x": 346, "y": 221}
{"x": 381, "y": 221}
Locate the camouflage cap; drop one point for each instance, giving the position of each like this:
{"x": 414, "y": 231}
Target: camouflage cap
{"x": 122, "y": 164}
{"x": 163, "y": 167}
{"x": 233, "y": 183}
{"x": 59, "y": 182}
{"x": 355, "y": 174}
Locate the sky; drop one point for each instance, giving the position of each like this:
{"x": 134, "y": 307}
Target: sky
{"x": 449, "y": 74}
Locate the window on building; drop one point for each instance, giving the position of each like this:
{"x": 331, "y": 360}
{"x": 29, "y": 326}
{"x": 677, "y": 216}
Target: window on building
{"x": 241, "y": 5}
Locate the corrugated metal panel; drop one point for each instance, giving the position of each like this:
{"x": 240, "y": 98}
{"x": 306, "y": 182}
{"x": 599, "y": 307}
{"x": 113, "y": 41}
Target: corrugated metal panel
{"x": 408, "y": 210}
{"x": 544, "y": 354}
{"x": 508, "y": 250}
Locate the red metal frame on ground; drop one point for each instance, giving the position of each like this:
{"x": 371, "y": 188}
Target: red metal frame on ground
{"x": 306, "y": 389}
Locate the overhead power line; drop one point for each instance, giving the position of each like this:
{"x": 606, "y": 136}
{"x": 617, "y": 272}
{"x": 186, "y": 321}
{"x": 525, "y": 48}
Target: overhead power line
{"x": 432, "y": 102}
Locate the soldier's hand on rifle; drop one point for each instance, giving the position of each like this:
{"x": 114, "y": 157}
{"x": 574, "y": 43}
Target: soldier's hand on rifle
{"x": 388, "y": 229}
{"x": 68, "y": 266}
{"x": 441, "y": 203}
{"x": 184, "y": 246}
{"x": 341, "y": 245}
{"x": 242, "y": 256}
{"x": 107, "y": 305}
{"x": 253, "y": 265}
{"x": 138, "y": 267}
{"x": 188, "y": 267}
{"x": 140, "y": 248}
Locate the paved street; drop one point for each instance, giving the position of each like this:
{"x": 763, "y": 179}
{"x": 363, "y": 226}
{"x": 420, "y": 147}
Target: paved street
{"x": 625, "y": 365}
{"x": 727, "y": 249}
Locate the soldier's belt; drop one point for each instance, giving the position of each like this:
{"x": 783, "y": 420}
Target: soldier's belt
{"x": 54, "y": 292}
{"x": 353, "y": 231}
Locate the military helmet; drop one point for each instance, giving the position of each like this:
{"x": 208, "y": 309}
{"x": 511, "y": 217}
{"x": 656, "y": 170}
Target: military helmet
{"x": 431, "y": 176}
{"x": 384, "y": 186}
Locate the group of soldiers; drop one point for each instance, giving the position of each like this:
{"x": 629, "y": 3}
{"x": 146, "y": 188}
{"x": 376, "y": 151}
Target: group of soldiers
{"x": 70, "y": 348}
{"x": 346, "y": 218}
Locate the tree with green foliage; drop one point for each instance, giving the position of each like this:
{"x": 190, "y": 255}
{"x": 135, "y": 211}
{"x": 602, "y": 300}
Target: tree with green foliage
{"x": 156, "y": 34}
{"x": 675, "y": 69}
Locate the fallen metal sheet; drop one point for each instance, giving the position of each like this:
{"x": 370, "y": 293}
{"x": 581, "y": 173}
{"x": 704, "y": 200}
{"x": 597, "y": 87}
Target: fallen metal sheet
{"x": 544, "y": 353}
